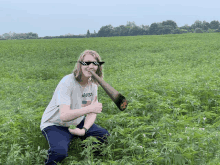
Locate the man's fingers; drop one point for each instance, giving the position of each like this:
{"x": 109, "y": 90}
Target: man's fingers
{"x": 77, "y": 131}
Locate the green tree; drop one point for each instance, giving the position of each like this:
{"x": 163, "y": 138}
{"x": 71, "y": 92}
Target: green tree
{"x": 186, "y": 27}
{"x": 31, "y": 35}
{"x": 93, "y": 34}
{"x": 6, "y": 35}
{"x": 176, "y": 31}
{"x": 214, "y": 24}
{"x": 171, "y": 23}
{"x": 167, "y": 29}
{"x": 124, "y": 30}
{"x": 183, "y": 31}
{"x": 106, "y": 31}
{"x": 206, "y": 25}
{"x": 117, "y": 31}
{"x": 198, "y": 30}
{"x": 159, "y": 28}
{"x": 131, "y": 24}
{"x": 153, "y": 29}
{"x": 197, "y": 24}
{"x": 144, "y": 29}
{"x": 218, "y": 30}
{"x": 35, "y": 35}
{"x": 135, "y": 31}
{"x": 88, "y": 34}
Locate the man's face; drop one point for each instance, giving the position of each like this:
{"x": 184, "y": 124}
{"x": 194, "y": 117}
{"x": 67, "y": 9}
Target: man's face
{"x": 85, "y": 68}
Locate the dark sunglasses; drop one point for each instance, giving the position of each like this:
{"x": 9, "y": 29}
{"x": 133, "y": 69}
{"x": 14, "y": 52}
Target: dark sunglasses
{"x": 88, "y": 63}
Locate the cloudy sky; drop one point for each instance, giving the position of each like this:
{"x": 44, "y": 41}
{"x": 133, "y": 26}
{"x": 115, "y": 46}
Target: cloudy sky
{"x": 60, "y": 17}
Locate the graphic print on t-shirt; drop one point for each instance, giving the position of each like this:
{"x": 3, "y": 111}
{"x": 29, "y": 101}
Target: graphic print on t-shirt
{"x": 86, "y": 99}
{"x": 86, "y": 94}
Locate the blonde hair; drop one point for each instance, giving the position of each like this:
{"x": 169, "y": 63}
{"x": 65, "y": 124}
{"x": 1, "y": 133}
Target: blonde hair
{"x": 77, "y": 72}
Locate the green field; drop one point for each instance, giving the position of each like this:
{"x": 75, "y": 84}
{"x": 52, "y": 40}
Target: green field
{"x": 172, "y": 83}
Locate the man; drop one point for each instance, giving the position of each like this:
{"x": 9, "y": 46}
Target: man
{"x": 74, "y": 97}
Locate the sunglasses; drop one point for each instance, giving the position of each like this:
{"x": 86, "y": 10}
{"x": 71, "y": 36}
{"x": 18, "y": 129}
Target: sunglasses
{"x": 88, "y": 63}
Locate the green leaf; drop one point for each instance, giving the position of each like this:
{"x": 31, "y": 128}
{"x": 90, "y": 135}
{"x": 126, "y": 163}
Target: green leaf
{"x": 72, "y": 127}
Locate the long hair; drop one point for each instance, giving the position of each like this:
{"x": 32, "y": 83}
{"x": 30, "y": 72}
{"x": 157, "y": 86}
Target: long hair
{"x": 78, "y": 71}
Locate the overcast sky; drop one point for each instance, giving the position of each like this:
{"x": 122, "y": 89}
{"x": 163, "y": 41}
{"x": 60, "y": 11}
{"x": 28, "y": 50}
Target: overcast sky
{"x": 60, "y": 17}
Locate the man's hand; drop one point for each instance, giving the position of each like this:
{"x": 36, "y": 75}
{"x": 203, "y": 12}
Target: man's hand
{"x": 77, "y": 131}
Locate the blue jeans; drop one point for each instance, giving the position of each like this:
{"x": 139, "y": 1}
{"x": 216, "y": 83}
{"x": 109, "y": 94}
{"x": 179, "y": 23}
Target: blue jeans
{"x": 59, "y": 139}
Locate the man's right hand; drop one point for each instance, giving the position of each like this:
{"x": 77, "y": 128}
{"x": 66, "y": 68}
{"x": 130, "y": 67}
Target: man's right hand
{"x": 95, "y": 107}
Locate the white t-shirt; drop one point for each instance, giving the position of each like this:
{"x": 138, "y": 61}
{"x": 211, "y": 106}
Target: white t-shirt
{"x": 68, "y": 92}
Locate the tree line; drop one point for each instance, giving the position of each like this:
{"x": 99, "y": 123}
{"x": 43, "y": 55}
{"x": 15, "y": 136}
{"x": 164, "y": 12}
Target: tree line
{"x": 131, "y": 29}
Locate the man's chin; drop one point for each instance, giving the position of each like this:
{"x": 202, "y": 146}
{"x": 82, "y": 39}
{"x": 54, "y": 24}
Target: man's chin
{"x": 89, "y": 74}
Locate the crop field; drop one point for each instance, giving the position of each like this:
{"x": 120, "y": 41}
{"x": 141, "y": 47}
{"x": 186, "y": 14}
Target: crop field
{"x": 172, "y": 84}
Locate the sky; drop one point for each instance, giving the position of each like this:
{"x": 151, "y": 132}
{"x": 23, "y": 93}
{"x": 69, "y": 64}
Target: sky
{"x": 61, "y": 17}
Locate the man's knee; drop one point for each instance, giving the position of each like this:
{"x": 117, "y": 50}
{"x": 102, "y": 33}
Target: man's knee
{"x": 103, "y": 138}
{"x": 60, "y": 152}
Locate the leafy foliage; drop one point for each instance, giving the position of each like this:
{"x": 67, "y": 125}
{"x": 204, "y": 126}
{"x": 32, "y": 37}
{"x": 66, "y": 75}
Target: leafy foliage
{"x": 198, "y": 30}
{"x": 130, "y": 29}
{"x": 170, "y": 81}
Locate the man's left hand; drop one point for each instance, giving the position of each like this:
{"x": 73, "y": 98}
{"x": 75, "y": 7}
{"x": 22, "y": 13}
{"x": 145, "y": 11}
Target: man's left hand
{"x": 77, "y": 131}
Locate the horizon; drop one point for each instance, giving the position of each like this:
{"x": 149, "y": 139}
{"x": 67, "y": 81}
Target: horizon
{"x": 62, "y": 18}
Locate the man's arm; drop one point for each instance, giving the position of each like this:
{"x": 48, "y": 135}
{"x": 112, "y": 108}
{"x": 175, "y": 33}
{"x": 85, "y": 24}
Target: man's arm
{"x": 90, "y": 119}
{"x": 67, "y": 115}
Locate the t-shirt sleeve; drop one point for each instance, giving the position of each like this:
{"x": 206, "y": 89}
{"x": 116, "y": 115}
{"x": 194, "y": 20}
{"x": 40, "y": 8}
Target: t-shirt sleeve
{"x": 63, "y": 93}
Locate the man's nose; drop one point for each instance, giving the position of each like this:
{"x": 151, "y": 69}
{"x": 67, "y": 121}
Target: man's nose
{"x": 91, "y": 65}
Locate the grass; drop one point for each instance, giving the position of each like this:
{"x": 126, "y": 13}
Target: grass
{"x": 172, "y": 83}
